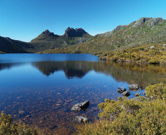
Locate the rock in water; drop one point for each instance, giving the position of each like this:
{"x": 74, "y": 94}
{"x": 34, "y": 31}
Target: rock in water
{"x": 81, "y": 119}
{"x": 80, "y": 106}
{"x": 121, "y": 90}
{"x": 76, "y": 108}
{"x": 126, "y": 93}
{"x": 85, "y": 104}
{"x": 137, "y": 94}
{"x": 133, "y": 87}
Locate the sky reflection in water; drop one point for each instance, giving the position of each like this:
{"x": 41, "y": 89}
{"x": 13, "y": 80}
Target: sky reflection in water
{"x": 45, "y": 86}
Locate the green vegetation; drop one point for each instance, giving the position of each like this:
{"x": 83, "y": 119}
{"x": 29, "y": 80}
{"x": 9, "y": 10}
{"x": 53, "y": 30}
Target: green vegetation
{"x": 46, "y": 40}
{"x": 144, "y": 54}
{"x": 142, "y": 31}
{"x": 7, "y": 127}
{"x": 157, "y": 91}
{"x": 131, "y": 117}
{"x": 122, "y": 37}
{"x": 49, "y": 41}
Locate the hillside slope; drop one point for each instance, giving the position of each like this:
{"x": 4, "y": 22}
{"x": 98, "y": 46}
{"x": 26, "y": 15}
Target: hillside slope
{"x": 14, "y": 46}
{"x": 143, "y": 31}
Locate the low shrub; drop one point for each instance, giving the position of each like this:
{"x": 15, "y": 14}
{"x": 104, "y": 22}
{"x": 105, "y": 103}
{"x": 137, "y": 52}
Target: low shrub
{"x": 138, "y": 116}
{"x": 7, "y": 127}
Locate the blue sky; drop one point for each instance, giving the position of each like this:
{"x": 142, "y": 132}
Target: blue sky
{"x": 26, "y": 19}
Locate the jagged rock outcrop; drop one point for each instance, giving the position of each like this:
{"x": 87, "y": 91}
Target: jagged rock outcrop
{"x": 48, "y": 33}
{"x": 148, "y": 21}
{"x": 71, "y": 32}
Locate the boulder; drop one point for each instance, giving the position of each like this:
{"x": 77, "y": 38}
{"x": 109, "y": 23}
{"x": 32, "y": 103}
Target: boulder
{"x": 81, "y": 119}
{"x": 126, "y": 93}
{"x": 76, "y": 108}
{"x": 137, "y": 94}
{"x": 133, "y": 87}
{"x": 80, "y": 106}
{"x": 121, "y": 90}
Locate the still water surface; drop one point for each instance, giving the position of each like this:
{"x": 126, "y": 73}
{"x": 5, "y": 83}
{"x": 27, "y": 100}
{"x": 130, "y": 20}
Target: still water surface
{"x": 40, "y": 89}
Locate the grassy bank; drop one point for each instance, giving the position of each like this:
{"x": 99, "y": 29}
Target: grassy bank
{"x": 144, "y": 54}
{"x": 131, "y": 117}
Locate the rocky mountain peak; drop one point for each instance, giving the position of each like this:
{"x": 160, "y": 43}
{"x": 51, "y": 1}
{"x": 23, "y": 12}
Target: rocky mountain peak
{"x": 48, "y": 33}
{"x": 71, "y": 32}
{"x": 148, "y": 21}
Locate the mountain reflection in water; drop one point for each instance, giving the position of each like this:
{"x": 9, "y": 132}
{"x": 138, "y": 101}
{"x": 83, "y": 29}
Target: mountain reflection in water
{"x": 42, "y": 92}
{"x": 78, "y": 69}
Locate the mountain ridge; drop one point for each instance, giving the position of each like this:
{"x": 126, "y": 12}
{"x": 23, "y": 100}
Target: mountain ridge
{"x": 45, "y": 40}
{"x": 143, "y": 31}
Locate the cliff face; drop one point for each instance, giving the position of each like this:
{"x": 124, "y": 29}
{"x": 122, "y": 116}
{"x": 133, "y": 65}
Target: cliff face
{"x": 71, "y": 32}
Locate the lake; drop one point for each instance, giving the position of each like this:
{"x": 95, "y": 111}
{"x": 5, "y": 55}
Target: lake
{"x": 40, "y": 89}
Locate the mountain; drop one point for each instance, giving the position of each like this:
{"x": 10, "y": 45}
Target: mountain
{"x": 14, "y": 46}
{"x": 49, "y": 40}
{"x": 142, "y": 31}
{"x": 71, "y": 32}
{"x": 46, "y": 40}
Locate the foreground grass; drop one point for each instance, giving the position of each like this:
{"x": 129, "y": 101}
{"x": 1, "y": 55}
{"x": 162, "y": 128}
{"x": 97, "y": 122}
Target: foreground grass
{"x": 131, "y": 117}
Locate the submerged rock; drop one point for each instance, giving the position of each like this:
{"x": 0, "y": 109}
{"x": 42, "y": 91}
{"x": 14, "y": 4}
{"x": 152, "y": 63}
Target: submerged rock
{"x": 121, "y": 90}
{"x": 137, "y": 94}
{"x": 21, "y": 112}
{"x": 126, "y": 93}
{"x": 81, "y": 119}
{"x": 80, "y": 106}
{"x": 133, "y": 87}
